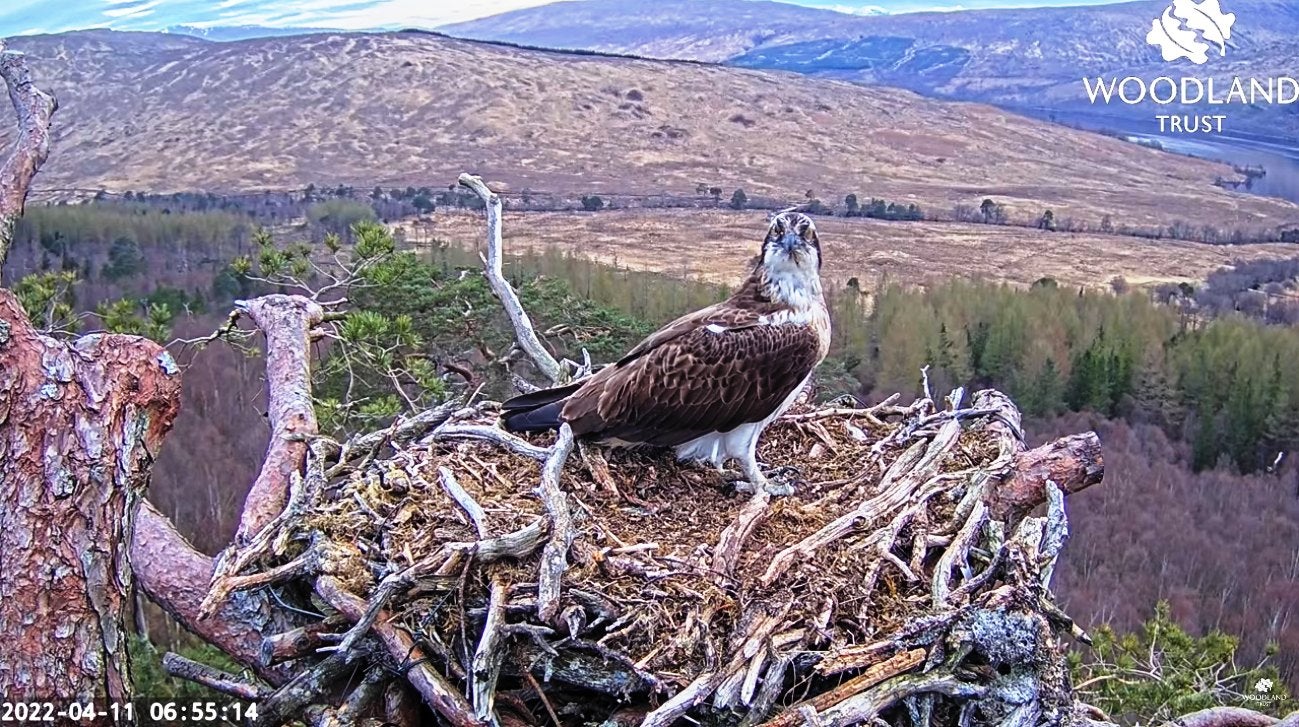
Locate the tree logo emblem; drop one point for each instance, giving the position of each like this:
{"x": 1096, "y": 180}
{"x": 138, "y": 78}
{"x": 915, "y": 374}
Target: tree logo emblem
{"x": 1263, "y": 685}
{"x": 1187, "y": 29}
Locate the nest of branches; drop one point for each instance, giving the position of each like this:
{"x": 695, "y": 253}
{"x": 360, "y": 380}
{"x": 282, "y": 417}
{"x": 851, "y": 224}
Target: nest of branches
{"x": 464, "y": 572}
{"x": 535, "y": 581}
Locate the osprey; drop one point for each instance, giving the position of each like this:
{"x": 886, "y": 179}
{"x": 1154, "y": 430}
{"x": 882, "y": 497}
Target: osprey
{"x": 708, "y": 383}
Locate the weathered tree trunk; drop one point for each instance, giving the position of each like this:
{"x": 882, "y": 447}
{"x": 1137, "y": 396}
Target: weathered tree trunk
{"x": 34, "y": 109}
{"x": 80, "y": 424}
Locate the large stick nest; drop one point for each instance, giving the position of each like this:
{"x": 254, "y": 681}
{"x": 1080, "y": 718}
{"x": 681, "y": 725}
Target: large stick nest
{"x": 625, "y": 585}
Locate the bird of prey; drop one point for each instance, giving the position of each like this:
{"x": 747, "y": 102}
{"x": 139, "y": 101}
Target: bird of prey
{"x": 708, "y": 383}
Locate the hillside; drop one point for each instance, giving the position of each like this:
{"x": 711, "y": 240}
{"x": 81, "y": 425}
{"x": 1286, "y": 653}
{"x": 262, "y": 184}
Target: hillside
{"x": 713, "y": 31}
{"x": 1002, "y": 56}
{"x": 167, "y": 112}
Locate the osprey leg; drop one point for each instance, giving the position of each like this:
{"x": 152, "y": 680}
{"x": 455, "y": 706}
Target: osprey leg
{"x": 758, "y": 480}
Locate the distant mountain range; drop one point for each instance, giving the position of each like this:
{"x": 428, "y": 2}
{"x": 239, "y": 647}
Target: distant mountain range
{"x": 1018, "y": 58}
{"x": 168, "y": 112}
{"x": 226, "y": 33}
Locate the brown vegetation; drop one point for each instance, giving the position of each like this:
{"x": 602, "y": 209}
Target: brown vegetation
{"x": 283, "y": 112}
{"x": 1222, "y": 548}
{"x": 715, "y": 245}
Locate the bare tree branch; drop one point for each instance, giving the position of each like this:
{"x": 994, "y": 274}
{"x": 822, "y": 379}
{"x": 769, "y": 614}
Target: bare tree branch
{"x": 554, "y": 557}
{"x": 524, "y": 333}
{"x": 176, "y": 576}
{"x": 437, "y": 693}
{"x": 210, "y": 677}
{"x": 1223, "y": 717}
{"x": 286, "y": 321}
{"x": 1073, "y": 463}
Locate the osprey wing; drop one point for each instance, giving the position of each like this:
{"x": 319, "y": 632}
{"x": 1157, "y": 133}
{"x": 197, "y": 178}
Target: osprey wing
{"x": 709, "y": 372}
{"x": 716, "y": 318}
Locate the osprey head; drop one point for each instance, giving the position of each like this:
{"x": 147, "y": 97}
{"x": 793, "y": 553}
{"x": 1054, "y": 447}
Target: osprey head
{"x": 791, "y": 243}
{"x": 791, "y": 260}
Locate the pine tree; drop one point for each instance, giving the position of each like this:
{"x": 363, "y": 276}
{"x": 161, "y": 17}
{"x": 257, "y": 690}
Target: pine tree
{"x": 1049, "y": 388}
{"x": 1280, "y": 429}
{"x": 1205, "y": 447}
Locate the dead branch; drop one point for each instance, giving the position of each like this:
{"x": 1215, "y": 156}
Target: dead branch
{"x": 34, "y": 109}
{"x": 302, "y": 641}
{"x": 732, "y": 540}
{"x": 176, "y": 576}
{"x": 1224, "y": 717}
{"x": 408, "y": 657}
{"x": 887, "y": 669}
{"x": 1073, "y": 463}
{"x": 212, "y": 678}
{"x": 359, "y": 701}
{"x": 490, "y": 434}
{"x": 554, "y": 557}
{"x": 192, "y": 587}
{"x": 524, "y": 333}
{"x": 466, "y": 501}
{"x": 864, "y": 706}
{"x": 286, "y": 321}
{"x": 310, "y": 686}
{"x": 487, "y": 658}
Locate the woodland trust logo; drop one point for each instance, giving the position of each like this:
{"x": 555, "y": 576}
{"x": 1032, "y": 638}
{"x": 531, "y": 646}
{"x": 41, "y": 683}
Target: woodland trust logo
{"x": 1188, "y": 31}
{"x": 1263, "y": 692}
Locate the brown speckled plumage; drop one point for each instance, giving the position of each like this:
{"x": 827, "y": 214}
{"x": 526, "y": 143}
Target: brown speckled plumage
{"x": 734, "y": 363}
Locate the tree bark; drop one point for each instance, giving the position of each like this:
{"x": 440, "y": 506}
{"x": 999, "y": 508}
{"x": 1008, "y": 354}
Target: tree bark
{"x": 34, "y": 109}
{"x": 286, "y": 321}
{"x": 1224, "y": 717}
{"x": 179, "y": 578}
{"x": 80, "y": 424}
{"x": 1073, "y": 463}
{"x": 176, "y": 576}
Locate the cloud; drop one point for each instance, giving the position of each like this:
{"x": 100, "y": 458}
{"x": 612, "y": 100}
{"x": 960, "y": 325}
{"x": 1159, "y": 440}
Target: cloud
{"x": 133, "y": 10}
{"x": 61, "y": 15}
{"x": 856, "y": 9}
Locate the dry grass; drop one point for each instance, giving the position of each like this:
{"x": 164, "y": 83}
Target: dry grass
{"x": 139, "y": 112}
{"x": 717, "y": 245}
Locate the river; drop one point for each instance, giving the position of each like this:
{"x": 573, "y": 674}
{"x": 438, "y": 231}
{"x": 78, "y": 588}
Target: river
{"x": 1279, "y": 158}
{"x": 1279, "y": 161}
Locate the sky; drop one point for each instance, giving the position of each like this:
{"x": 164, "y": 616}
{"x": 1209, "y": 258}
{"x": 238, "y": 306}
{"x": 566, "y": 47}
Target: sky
{"x": 25, "y": 17}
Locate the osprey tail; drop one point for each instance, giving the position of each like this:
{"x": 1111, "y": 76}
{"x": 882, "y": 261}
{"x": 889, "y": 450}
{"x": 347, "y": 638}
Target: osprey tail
{"x": 538, "y": 411}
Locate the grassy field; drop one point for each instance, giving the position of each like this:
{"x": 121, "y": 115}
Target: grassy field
{"x": 718, "y": 245}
